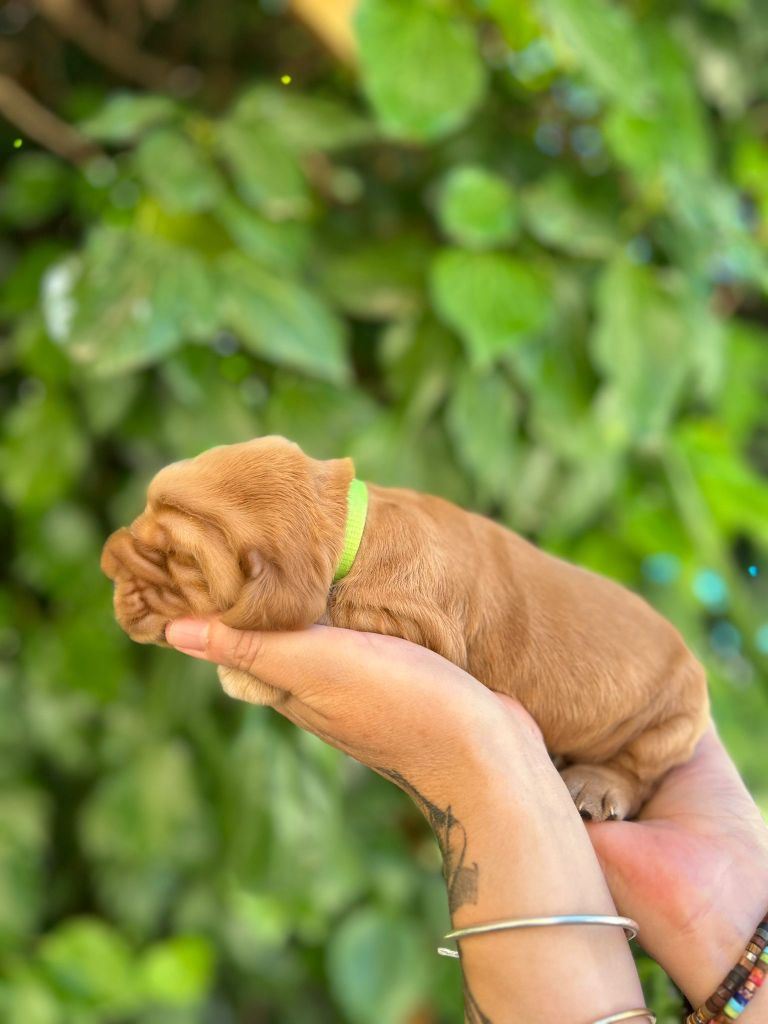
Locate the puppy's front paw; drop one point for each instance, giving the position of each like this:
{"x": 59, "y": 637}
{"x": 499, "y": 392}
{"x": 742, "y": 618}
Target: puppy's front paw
{"x": 244, "y": 686}
{"x": 599, "y": 792}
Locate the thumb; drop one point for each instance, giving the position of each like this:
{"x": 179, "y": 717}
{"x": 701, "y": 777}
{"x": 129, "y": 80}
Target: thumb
{"x": 624, "y": 858}
{"x": 316, "y": 661}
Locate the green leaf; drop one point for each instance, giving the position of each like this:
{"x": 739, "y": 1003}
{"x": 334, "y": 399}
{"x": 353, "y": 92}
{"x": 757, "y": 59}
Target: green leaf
{"x": 377, "y": 967}
{"x": 481, "y": 419}
{"x": 477, "y": 208}
{"x": 281, "y": 320}
{"x": 518, "y": 22}
{"x": 42, "y": 451}
{"x": 421, "y": 67}
{"x": 128, "y": 301}
{"x": 90, "y": 964}
{"x": 143, "y": 827}
{"x": 176, "y": 972}
{"x": 126, "y": 116}
{"x": 305, "y": 122}
{"x": 736, "y": 495}
{"x": 176, "y": 171}
{"x": 642, "y": 344}
{"x": 280, "y": 246}
{"x": 35, "y": 187}
{"x": 381, "y": 279}
{"x": 671, "y": 132}
{"x": 561, "y": 215}
{"x": 24, "y": 814}
{"x": 266, "y": 171}
{"x": 420, "y": 360}
{"x": 320, "y": 417}
{"x": 492, "y": 300}
{"x": 27, "y": 998}
{"x": 603, "y": 38}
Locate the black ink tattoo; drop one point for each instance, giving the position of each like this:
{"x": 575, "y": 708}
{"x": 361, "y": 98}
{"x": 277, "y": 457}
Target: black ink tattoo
{"x": 461, "y": 879}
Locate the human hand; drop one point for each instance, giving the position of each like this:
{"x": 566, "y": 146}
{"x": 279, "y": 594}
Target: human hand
{"x": 393, "y": 705}
{"x": 476, "y": 765}
{"x": 693, "y": 870}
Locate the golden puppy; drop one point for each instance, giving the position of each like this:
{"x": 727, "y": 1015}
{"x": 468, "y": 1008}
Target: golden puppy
{"x": 255, "y": 531}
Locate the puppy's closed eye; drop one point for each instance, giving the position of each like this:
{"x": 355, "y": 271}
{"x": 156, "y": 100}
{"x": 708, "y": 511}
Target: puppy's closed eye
{"x": 253, "y": 564}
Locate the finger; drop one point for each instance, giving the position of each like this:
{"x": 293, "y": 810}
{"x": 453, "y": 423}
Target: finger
{"x": 310, "y": 661}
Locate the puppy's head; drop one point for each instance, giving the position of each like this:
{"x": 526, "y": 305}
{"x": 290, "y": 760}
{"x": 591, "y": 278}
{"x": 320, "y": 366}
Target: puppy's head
{"x": 253, "y": 531}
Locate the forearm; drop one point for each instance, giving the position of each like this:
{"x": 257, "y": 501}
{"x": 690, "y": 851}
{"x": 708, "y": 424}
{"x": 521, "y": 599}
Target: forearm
{"x": 514, "y": 846}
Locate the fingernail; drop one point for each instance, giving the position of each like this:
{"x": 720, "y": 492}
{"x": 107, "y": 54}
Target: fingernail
{"x": 189, "y": 633}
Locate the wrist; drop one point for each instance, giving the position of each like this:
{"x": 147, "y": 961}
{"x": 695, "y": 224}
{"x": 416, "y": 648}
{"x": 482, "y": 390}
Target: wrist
{"x": 721, "y": 949}
{"x": 514, "y": 846}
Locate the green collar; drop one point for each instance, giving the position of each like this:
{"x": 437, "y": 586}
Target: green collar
{"x": 357, "y": 509}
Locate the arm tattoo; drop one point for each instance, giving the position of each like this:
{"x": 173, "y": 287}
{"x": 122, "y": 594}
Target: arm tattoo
{"x": 461, "y": 879}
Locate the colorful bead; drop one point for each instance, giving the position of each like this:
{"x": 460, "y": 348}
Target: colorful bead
{"x": 764, "y": 957}
{"x": 734, "y": 1007}
{"x": 757, "y": 977}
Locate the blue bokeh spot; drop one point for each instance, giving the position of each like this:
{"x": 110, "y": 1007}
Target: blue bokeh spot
{"x": 761, "y": 638}
{"x": 710, "y": 588}
{"x": 725, "y": 639}
{"x": 661, "y": 568}
{"x": 752, "y": 570}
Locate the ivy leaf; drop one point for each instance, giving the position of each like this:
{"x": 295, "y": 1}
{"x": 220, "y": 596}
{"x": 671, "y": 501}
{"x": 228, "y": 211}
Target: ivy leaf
{"x": 477, "y": 208}
{"x": 126, "y": 116}
{"x": 492, "y": 300}
{"x": 281, "y": 320}
{"x": 421, "y": 67}
{"x": 177, "y": 172}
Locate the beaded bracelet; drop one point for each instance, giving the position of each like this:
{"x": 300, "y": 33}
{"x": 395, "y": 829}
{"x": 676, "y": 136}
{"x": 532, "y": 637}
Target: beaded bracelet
{"x": 736, "y": 990}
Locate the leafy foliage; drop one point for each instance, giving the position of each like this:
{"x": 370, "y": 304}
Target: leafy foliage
{"x": 519, "y": 261}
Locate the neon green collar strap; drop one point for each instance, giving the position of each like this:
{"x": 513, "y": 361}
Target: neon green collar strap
{"x": 357, "y": 510}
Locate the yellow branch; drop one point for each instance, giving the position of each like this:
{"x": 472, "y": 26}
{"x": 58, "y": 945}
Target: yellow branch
{"x": 331, "y": 21}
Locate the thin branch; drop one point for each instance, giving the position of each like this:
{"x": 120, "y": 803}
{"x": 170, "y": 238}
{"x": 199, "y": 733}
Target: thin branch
{"x": 104, "y": 44}
{"x": 39, "y": 123}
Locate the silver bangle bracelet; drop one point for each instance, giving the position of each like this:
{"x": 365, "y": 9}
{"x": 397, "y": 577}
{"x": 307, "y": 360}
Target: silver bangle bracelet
{"x": 630, "y": 927}
{"x": 628, "y": 1015}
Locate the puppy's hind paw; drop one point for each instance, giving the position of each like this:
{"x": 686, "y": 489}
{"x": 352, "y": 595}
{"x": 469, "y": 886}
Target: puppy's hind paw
{"x": 600, "y": 793}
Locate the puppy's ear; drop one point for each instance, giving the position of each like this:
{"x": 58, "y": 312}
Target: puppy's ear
{"x": 286, "y": 585}
{"x": 291, "y": 595}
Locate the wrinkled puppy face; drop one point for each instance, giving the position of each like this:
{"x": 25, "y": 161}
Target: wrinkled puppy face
{"x": 253, "y": 531}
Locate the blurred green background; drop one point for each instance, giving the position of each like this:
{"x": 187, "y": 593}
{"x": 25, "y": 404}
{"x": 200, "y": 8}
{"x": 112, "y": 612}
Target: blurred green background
{"x": 511, "y": 253}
